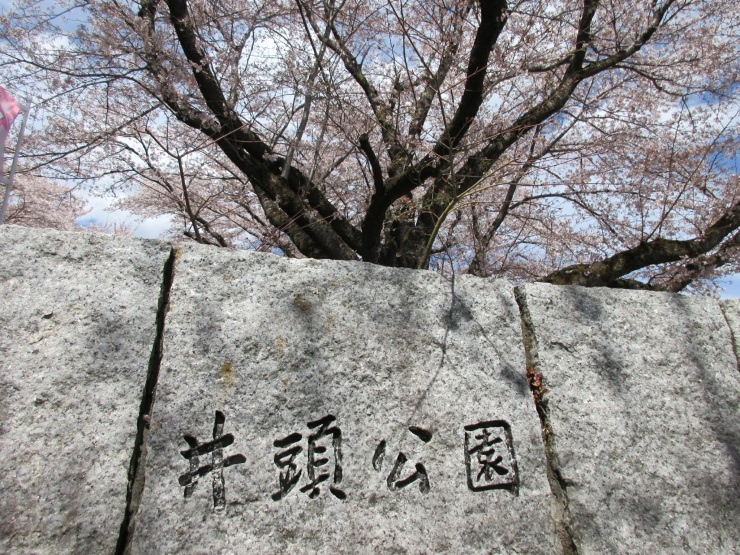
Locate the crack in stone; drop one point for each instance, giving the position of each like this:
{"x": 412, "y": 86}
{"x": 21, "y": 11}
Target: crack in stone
{"x": 558, "y": 484}
{"x": 136, "y": 476}
{"x": 450, "y": 319}
{"x": 733, "y": 339}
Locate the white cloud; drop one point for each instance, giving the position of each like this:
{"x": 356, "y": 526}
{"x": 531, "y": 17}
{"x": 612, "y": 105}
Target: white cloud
{"x": 102, "y": 214}
{"x": 152, "y": 228}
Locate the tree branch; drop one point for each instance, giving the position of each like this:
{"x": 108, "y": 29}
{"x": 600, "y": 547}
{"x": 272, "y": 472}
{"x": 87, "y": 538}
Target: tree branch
{"x": 480, "y": 163}
{"x": 367, "y": 149}
{"x": 331, "y": 233}
{"x": 379, "y": 108}
{"x": 492, "y": 21}
{"x": 435, "y": 81}
{"x": 583, "y": 38}
{"x": 659, "y": 251}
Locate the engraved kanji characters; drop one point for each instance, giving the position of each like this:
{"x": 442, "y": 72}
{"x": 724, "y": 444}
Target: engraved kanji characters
{"x": 394, "y": 481}
{"x": 319, "y": 467}
{"x": 285, "y": 461}
{"x": 218, "y": 463}
{"x": 489, "y": 460}
{"x": 489, "y": 456}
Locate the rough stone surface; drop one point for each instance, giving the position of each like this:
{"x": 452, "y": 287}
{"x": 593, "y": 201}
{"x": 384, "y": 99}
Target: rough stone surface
{"x": 77, "y": 326}
{"x": 643, "y": 421}
{"x": 731, "y": 310}
{"x": 275, "y": 344}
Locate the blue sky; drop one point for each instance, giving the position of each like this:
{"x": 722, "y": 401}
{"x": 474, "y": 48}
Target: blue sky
{"x": 731, "y": 287}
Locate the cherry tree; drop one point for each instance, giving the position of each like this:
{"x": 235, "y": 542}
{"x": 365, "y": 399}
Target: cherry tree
{"x": 39, "y": 202}
{"x": 588, "y": 142}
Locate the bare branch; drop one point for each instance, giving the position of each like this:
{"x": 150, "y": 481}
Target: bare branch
{"x": 658, "y": 251}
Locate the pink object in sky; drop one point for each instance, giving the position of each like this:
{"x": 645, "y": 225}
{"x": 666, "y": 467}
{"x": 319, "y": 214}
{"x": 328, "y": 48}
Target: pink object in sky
{"x": 8, "y": 111}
